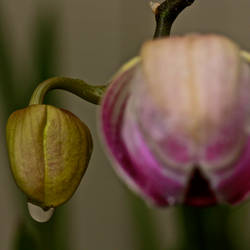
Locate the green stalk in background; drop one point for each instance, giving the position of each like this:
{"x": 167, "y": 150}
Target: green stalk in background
{"x": 6, "y": 70}
{"x": 29, "y": 234}
{"x": 205, "y": 228}
{"x": 53, "y": 234}
{"x": 27, "y": 238}
{"x": 144, "y": 224}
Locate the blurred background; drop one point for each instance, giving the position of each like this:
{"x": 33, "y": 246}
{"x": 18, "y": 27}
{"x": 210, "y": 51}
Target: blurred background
{"x": 89, "y": 40}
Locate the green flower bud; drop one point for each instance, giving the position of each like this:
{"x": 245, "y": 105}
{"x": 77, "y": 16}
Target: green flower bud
{"x": 49, "y": 150}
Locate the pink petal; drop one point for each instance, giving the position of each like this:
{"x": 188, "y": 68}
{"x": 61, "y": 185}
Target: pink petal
{"x": 133, "y": 159}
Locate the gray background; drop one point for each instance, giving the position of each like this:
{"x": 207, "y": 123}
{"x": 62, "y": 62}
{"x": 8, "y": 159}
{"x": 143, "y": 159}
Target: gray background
{"x": 95, "y": 38}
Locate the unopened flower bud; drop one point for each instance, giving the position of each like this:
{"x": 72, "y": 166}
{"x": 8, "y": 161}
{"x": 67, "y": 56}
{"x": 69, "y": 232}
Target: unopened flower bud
{"x": 49, "y": 150}
{"x": 177, "y": 122}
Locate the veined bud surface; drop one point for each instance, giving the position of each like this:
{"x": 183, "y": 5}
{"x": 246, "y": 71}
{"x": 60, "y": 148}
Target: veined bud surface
{"x": 176, "y": 122}
{"x": 49, "y": 150}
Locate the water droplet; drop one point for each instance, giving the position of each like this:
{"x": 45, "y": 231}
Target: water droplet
{"x": 39, "y": 214}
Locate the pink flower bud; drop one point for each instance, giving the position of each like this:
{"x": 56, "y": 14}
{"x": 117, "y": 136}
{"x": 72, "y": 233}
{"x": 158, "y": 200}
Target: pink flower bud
{"x": 176, "y": 121}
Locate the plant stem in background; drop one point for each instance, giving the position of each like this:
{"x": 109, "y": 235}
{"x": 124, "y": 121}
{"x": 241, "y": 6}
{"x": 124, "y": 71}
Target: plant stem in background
{"x": 27, "y": 238}
{"x": 144, "y": 224}
{"x": 205, "y": 228}
{"x": 6, "y": 71}
{"x": 29, "y": 234}
{"x": 191, "y": 219}
{"x": 54, "y": 234}
{"x": 166, "y": 14}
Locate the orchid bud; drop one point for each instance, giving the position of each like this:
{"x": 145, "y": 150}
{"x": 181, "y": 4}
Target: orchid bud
{"x": 176, "y": 122}
{"x": 49, "y": 150}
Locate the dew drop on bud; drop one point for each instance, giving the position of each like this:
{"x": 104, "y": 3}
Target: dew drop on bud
{"x": 39, "y": 214}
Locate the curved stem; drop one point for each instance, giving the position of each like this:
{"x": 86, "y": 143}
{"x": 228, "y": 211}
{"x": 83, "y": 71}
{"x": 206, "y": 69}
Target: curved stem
{"x": 166, "y": 13}
{"x": 78, "y": 87}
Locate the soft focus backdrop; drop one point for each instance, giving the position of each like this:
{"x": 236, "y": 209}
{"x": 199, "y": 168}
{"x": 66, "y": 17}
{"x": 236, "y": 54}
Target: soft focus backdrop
{"x": 90, "y": 40}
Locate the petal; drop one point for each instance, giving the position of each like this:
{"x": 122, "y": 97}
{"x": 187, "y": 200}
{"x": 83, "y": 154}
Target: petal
{"x": 232, "y": 184}
{"x": 155, "y": 145}
{"x": 196, "y": 83}
{"x": 176, "y": 123}
{"x": 133, "y": 159}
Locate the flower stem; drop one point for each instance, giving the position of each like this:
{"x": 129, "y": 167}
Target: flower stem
{"x": 205, "y": 228}
{"x": 144, "y": 224}
{"x": 78, "y": 87}
{"x": 166, "y": 13}
{"x": 193, "y": 232}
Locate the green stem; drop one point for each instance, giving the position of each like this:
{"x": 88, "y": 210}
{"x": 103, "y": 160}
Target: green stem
{"x": 205, "y": 228}
{"x": 78, "y": 87}
{"x": 144, "y": 224}
{"x": 166, "y": 14}
{"x": 193, "y": 231}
